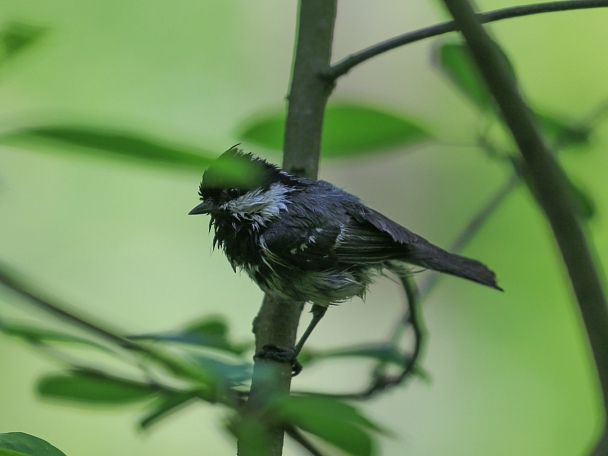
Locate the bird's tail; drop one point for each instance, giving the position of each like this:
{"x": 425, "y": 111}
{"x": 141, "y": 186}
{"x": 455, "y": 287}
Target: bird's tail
{"x": 437, "y": 259}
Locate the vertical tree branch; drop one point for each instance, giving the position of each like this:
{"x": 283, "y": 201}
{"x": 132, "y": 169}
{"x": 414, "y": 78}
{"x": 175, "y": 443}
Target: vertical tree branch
{"x": 277, "y": 321}
{"x": 309, "y": 92}
{"x": 551, "y": 188}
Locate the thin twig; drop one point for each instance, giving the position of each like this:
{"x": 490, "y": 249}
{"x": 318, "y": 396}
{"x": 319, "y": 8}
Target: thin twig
{"x": 345, "y": 65}
{"x": 177, "y": 366}
{"x": 11, "y": 282}
{"x": 304, "y": 442}
{"x": 412, "y": 318}
{"x": 473, "y": 227}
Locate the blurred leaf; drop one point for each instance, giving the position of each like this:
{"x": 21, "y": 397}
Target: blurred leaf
{"x": 332, "y": 420}
{"x": 5, "y": 452}
{"x": 584, "y": 202}
{"x": 168, "y": 404}
{"x": 229, "y": 373}
{"x": 211, "y": 325}
{"x": 114, "y": 144}
{"x": 561, "y": 132}
{"x": 349, "y": 129}
{"x": 18, "y": 443}
{"x": 211, "y": 331}
{"x": 16, "y": 37}
{"x": 454, "y": 59}
{"x": 41, "y": 335}
{"x": 379, "y": 352}
{"x": 94, "y": 388}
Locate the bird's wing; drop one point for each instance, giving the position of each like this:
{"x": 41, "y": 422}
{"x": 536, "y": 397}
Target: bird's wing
{"x": 383, "y": 236}
{"x": 370, "y": 237}
{"x": 336, "y": 231}
{"x": 300, "y": 243}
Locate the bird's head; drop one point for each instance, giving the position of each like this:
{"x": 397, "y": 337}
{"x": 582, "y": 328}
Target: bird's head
{"x": 244, "y": 187}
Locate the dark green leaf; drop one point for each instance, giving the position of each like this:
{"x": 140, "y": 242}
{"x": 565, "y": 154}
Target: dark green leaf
{"x": 211, "y": 325}
{"x": 167, "y": 405}
{"x": 349, "y": 129}
{"x": 18, "y": 443}
{"x": 584, "y": 202}
{"x": 5, "y": 452}
{"x": 380, "y": 352}
{"x": 211, "y": 331}
{"x": 18, "y": 36}
{"x": 334, "y": 421}
{"x": 228, "y": 373}
{"x": 42, "y": 335}
{"x": 92, "y": 388}
{"x": 114, "y": 144}
{"x": 454, "y": 59}
{"x": 561, "y": 132}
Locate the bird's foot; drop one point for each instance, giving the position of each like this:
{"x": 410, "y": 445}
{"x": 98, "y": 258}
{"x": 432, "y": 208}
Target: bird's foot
{"x": 281, "y": 355}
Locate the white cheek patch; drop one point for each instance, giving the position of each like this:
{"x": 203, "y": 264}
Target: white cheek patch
{"x": 259, "y": 205}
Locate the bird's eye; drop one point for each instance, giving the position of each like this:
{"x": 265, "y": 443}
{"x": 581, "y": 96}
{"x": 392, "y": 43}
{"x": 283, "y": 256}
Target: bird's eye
{"x": 233, "y": 192}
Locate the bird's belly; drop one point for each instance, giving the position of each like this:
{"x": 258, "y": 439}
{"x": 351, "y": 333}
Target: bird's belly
{"x": 319, "y": 287}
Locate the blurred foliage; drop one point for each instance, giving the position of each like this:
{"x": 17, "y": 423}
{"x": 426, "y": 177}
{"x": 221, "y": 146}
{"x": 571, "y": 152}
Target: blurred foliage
{"x": 350, "y": 128}
{"x": 16, "y": 37}
{"x": 111, "y": 144}
{"x": 220, "y": 366}
{"x": 452, "y": 56}
{"x": 20, "y": 444}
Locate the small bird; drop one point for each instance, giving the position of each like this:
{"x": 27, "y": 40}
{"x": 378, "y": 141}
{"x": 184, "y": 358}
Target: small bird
{"x": 309, "y": 241}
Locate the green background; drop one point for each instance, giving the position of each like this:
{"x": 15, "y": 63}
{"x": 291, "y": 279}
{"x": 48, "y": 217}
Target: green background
{"x": 510, "y": 373}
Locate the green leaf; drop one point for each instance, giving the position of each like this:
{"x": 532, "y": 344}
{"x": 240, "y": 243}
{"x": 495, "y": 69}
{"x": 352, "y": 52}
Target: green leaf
{"x": 42, "y": 335}
{"x": 584, "y": 202}
{"x": 229, "y": 373}
{"x": 379, "y": 352}
{"x": 94, "y": 388}
{"x": 211, "y": 332}
{"x": 5, "y": 452}
{"x": 454, "y": 59}
{"x": 16, "y": 37}
{"x": 114, "y": 144}
{"x": 332, "y": 420}
{"x": 211, "y": 325}
{"x": 349, "y": 129}
{"x": 167, "y": 405}
{"x": 18, "y": 443}
{"x": 561, "y": 132}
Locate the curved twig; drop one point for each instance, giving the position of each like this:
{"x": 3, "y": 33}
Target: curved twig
{"x": 345, "y": 65}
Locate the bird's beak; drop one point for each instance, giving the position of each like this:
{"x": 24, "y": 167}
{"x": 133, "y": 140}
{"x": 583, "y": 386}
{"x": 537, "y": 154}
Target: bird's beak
{"x": 205, "y": 207}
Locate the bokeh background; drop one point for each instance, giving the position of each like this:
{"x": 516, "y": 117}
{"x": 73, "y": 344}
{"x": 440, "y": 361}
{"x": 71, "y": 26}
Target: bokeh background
{"x": 510, "y": 373}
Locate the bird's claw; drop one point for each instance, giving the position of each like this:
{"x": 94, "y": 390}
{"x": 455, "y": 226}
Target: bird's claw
{"x": 281, "y": 355}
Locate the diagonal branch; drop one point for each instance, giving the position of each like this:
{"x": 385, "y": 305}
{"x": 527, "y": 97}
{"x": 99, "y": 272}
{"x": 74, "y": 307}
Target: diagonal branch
{"x": 345, "y": 65}
{"x": 173, "y": 364}
{"x": 549, "y": 185}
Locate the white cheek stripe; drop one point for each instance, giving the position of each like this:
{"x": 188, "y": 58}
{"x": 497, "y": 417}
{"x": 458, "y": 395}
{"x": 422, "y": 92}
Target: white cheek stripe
{"x": 258, "y": 205}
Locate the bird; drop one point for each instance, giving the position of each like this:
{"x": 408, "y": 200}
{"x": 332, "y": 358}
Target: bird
{"x": 310, "y": 241}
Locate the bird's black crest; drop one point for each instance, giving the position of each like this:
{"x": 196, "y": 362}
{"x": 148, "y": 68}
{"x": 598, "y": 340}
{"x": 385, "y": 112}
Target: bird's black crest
{"x": 243, "y": 171}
